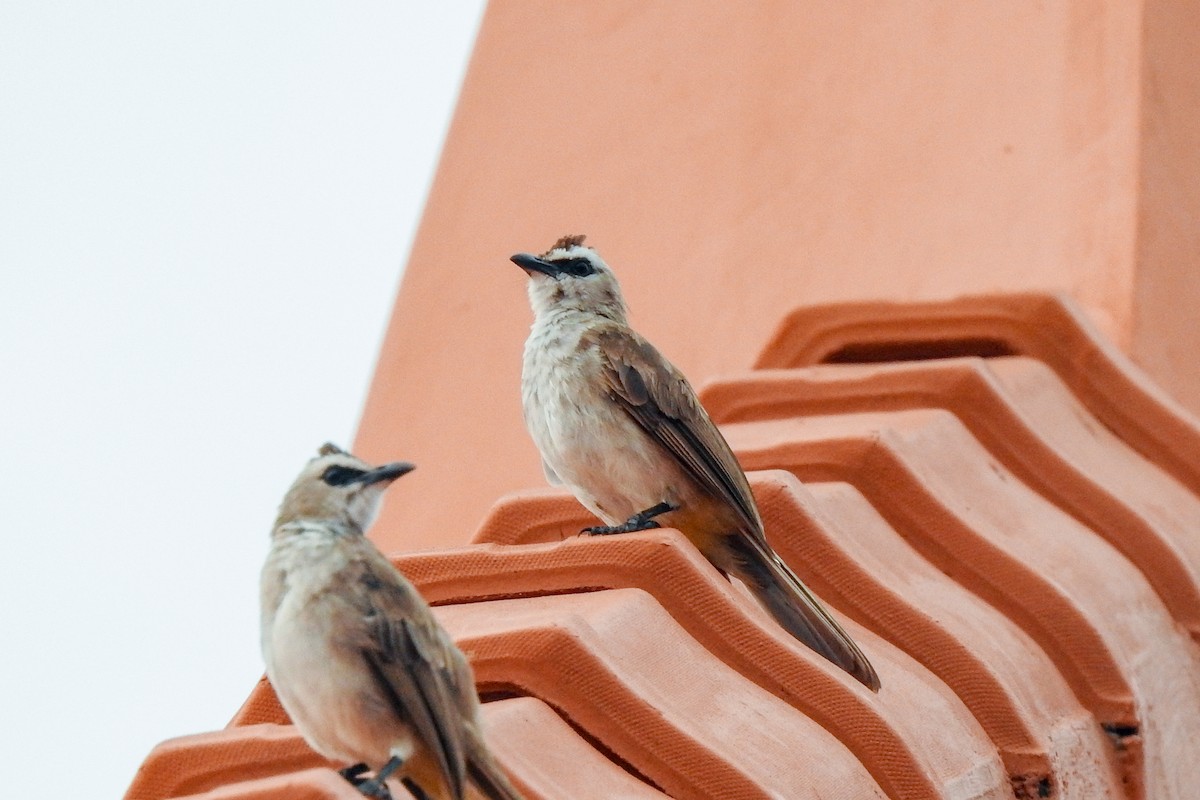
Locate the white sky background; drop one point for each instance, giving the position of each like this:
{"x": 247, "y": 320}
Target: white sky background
{"x": 205, "y": 208}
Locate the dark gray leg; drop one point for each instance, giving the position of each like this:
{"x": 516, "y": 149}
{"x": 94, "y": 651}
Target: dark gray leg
{"x": 641, "y": 521}
{"x": 375, "y": 787}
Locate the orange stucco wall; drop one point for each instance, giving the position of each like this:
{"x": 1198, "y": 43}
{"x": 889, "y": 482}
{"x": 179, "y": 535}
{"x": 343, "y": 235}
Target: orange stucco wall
{"x": 735, "y": 163}
{"x": 1167, "y": 294}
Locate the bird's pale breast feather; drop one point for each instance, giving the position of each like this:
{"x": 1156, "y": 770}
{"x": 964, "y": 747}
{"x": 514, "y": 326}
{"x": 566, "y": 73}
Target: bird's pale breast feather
{"x": 321, "y": 683}
{"x": 589, "y": 442}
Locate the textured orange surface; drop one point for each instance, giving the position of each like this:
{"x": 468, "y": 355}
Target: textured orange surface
{"x": 1050, "y": 328}
{"x": 1112, "y": 639}
{"x": 902, "y": 753}
{"x": 945, "y": 515}
{"x": 305, "y": 785}
{"x": 1167, "y": 287}
{"x": 206, "y": 762}
{"x": 1027, "y": 418}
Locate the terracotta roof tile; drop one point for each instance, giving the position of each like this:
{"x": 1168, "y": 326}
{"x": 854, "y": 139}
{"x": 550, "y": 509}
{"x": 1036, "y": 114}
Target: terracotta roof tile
{"x": 1027, "y": 418}
{"x": 551, "y": 759}
{"x": 1014, "y": 570}
{"x": 1049, "y": 327}
{"x": 1009, "y": 537}
{"x": 310, "y": 784}
{"x": 905, "y": 754}
{"x": 191, "y": 765}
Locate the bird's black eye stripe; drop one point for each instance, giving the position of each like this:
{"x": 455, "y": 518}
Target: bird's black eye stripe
{"x": 340, "y": 476}
{"x": 578, "y": 267}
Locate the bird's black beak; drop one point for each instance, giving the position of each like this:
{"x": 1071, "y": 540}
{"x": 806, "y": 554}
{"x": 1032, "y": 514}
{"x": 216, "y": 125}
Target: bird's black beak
{"x": 531, "y": 263}
{"x": 387, "y": 473}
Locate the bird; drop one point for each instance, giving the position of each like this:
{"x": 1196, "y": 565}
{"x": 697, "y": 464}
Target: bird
{"x": 621, "y": 427}
{"x": 360, "y": 664}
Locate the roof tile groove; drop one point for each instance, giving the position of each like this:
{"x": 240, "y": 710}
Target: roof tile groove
{"x": 1111, "y": 637}
{"x": 1049, "y": 327}
{"x": 265, "y": 757}
{"x": 310, "y": 784}
{"x": 1008, "y": 533}
{"x": 617, "y": 665}
{"x": 998, "y": 671}
{"x": 1027, "y": 418}
{"x": 821, "y": 560}
{"x": 193, "y": 764}
{"x": 892, "y": 740}
{"x": 551, "y": 760}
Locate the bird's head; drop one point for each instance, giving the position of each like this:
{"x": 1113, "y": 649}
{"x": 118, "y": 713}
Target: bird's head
{"x": 570, "y": 276}
{"x": 336, "y": 486}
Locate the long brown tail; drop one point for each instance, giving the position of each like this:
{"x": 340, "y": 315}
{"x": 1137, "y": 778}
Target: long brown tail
{"x": 795, "y": 608}
{"x": 486, "y": 777}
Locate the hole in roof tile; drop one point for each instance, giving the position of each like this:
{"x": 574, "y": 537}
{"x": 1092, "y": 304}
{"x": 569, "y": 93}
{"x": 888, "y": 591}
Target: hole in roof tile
{"x": 492, "y": 693}
{"x": 1118, "y": 733}
{"x": 918, "y": 350}
{"x": 1029, "y": 787}
{"x": 491, "y": 596}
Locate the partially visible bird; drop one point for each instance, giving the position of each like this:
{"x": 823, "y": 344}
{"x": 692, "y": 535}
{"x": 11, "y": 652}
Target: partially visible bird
{"x": 359, "y": 662}
{"x": 621, "y": 427}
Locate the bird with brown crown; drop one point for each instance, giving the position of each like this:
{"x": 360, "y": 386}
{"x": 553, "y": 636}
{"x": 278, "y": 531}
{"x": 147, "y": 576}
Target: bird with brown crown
{"x": 621, "y": 427}
{"x": 360, "y": 664}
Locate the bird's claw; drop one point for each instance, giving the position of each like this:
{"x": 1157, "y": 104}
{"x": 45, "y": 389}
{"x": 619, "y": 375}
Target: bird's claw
{"x": 627, "y": 527}
{"x": 641, "y": 521}
{"x": 353, "y": 773}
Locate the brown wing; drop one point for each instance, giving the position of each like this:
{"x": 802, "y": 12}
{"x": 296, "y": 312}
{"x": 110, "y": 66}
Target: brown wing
{"x": 657, "y": 396}
{"x": 660, "y": 400}
{"x": 418, "y": 667}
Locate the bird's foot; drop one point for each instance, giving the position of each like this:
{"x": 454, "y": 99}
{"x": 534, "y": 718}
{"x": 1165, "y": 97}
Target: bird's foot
{"x": 641, "y": 521}
{"x": 374, "y": 788}
{"x": 353, "y": 773}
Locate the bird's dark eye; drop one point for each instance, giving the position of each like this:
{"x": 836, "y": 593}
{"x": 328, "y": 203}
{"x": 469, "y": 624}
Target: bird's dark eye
{"x": 578, "y": 267}
{"x": 341, "y": 476}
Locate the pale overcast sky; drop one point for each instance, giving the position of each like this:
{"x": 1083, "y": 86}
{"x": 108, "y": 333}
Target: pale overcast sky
{"x": 205, "y": 208}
